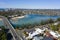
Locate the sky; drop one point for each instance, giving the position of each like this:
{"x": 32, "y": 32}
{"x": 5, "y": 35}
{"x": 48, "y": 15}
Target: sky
{"x": 30, "y": 4}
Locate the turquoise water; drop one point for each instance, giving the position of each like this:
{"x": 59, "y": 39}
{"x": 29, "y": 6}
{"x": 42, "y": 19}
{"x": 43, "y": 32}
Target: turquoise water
{"x": 32, "y": 18}
{"x": 1, "y": 23}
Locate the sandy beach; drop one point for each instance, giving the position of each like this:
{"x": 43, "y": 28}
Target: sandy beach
{"x": 0, "y": 19}
{"x": 18, "y": 17}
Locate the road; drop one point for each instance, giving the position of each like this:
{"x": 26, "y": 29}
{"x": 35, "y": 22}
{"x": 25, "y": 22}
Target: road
{"x": 12, "y": 30}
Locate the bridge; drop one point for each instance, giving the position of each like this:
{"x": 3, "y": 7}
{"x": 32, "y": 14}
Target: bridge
{"x": 12, "y": 30}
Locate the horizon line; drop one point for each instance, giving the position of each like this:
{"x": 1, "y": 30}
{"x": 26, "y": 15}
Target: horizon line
{"x": 29, "y": 8}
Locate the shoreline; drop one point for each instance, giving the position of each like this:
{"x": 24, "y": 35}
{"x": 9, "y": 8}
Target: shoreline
{"x": 18, "y": 17}
{"x": 0, "y": 19}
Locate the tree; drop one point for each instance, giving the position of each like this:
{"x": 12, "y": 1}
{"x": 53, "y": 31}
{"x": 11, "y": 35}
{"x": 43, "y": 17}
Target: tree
{"x": 53, "y": 27}
{"x": 50, "y": 21}
{"x": 42, "y": 22}
{"x": 3, "y": 35}
{"x": 58, "y": 19}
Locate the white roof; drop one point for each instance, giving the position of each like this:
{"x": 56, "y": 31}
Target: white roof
{"x": 56, "y": 23}
{"x": 54, "y": 34}
{"x": 38, "y": 31}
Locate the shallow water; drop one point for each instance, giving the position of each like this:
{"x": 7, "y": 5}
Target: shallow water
{"x": 32, "y": 18}
{"x": 1, "y": 23}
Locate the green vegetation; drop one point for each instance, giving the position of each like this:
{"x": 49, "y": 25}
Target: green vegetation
{"x": 29, "y": 25}
{"x": 55, "y": 27}
{"x": 58, "y": 19}
{"x": 3, "y": 35}
{"x": 25, "y": 33}
{"x": 43, "y": 22}
{"x": 46, "y": 21}
{"x": 25, "y": 26}
{"x": 50, "y": 20}
{"x": 11, "y": 11}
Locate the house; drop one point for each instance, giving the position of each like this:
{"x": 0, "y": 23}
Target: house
{"x": 36, "y": 32}
{"x": 55, "y": 35}
{"x": 56, "y": 23}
